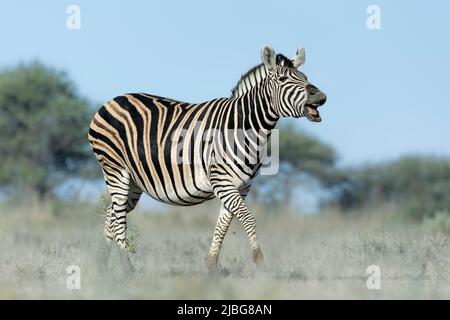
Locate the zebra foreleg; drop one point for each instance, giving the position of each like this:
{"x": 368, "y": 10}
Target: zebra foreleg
{"x": 233, "y": 202}
{"x": 222, "y": 225}
{"x": 247, "y": 221}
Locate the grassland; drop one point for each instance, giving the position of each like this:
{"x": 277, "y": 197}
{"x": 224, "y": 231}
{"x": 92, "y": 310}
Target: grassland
{"x": 307, "y": 257}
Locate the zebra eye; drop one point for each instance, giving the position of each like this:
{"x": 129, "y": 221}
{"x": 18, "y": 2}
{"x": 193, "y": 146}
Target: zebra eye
{"x": 282, "y": 78}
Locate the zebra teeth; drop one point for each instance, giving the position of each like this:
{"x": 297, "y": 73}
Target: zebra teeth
{"x": 312, "y": 114}
{"x": 313, "y": 111}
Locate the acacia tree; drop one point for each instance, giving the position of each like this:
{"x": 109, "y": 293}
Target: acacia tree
{"x": 43, "y": 129}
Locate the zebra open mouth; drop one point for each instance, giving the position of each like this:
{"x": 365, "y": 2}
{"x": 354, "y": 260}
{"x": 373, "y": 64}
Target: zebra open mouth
{"x": 311, "y": 112}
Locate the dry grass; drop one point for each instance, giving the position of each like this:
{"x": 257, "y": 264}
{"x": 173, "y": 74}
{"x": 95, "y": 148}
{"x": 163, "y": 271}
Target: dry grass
{"x": 307, "y": 257}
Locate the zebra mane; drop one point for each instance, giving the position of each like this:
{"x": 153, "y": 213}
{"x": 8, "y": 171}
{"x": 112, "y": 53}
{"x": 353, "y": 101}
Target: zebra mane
{"x": 255, "y": 75}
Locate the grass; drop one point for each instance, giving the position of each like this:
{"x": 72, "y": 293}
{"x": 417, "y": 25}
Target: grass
{"x": 307, "y": 257}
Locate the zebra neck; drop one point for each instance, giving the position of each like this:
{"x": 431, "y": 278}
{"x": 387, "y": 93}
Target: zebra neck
{"x": 257, "y": 105}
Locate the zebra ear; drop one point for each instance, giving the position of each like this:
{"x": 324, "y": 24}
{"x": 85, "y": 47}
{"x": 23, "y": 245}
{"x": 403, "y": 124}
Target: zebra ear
{"x": 268, "y": 57}
{"x": 299, "y": 58}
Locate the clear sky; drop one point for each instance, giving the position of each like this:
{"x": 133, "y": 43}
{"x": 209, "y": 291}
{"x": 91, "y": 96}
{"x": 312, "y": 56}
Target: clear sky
{"x": 387, "y": 89}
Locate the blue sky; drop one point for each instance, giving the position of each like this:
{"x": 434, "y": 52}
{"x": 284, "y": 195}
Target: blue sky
{"x": 386, "y": 88}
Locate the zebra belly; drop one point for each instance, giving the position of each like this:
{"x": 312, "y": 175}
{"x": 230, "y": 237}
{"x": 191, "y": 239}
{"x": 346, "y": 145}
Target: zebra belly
{"x": 183, "y": 190}
{"x": 184, "y": 199}
{"x": 187, "y": 200}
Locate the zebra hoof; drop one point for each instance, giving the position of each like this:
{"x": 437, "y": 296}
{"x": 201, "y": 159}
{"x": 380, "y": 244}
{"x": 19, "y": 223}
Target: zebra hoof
{"x": 258, "y": 257}
{"x": 211, "y": 262}
{"x": 213, "y": 267}
{"x": 224, "y": 272}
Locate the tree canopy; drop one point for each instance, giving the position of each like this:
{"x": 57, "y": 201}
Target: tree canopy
{"x": 43, "y": 129}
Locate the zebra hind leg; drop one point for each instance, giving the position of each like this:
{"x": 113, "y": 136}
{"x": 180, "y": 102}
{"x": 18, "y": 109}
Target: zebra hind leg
{"x": 125, "y": 194}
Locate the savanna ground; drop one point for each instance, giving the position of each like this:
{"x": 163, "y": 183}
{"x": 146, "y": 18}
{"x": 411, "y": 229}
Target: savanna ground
{"x": 307, "y": 257}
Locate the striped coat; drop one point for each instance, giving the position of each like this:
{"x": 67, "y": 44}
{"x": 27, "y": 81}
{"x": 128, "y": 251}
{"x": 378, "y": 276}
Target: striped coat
{"x": 184, "y": 154}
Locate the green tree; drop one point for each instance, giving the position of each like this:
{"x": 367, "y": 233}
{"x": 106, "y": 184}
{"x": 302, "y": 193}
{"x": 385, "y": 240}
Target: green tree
{"x": 304, "y": 160}
{"x": 43, "y": 129}
{"x": 419, "y": 184}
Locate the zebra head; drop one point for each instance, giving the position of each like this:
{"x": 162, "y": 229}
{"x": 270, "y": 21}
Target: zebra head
{"x": 291, "y": 93}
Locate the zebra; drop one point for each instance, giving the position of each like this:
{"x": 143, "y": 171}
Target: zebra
{"x": 184, "y": 154}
